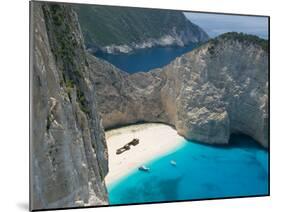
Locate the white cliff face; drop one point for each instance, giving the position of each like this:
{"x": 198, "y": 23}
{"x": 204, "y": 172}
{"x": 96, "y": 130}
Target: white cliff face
{"x": 68, "y": 149}
{"x": 207, "y": 94}
{"x": 173, "y": 39}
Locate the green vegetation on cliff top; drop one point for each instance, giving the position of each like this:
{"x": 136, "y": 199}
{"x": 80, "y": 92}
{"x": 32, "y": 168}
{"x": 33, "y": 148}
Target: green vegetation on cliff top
{"x": 242, "y": 37}
{"x": 105, "y": 25}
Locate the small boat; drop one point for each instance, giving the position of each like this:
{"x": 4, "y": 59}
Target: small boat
{"x": 126, "y": 147}
{"x": 119, "y": 151}
{"x": 144, "y": 168}
{"x": 134, "y": 142}
{"x": 173, "y": 163}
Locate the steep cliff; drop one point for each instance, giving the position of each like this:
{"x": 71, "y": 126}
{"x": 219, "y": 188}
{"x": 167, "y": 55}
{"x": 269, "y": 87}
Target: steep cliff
{"x": 217, "y": 89}
{"x": 122, "y": 29}
{"x": 68, "y": 149}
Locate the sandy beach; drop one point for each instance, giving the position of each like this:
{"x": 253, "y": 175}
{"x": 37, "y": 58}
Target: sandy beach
{"x": 154, "y": 140}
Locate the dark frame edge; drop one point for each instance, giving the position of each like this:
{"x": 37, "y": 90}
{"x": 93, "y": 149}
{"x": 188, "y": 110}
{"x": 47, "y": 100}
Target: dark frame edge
{"x": 269, "y": 141}
{"x": 152, "y": 8}
{"x": 31, "y": 44}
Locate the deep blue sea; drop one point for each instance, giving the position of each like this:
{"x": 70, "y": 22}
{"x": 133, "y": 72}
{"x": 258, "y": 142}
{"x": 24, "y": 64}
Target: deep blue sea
{"x": 145, "y": 59}
{"x": 202, "y": 171}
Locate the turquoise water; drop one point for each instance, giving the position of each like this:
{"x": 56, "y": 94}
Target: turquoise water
{"x": 202, "y": 171}
{"x": 145, "y": 59}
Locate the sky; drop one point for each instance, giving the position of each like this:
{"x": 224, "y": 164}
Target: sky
{"x": 216, "y": 24}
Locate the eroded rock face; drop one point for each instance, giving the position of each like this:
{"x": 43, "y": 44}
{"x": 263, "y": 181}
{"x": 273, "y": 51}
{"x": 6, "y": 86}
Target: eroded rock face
{"x": 68, "y": 149}
{"x": 217, "y": 89}
{"x": 124, "y": 99}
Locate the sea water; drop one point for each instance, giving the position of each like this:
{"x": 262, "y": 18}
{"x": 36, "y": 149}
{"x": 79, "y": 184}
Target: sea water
{"x": 145, "y": 59}
{"x": 201, "y": 172}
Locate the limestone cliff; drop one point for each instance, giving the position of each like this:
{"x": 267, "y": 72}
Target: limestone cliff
{"x": 217, "y": 89}
{"x": 68, "y": 149}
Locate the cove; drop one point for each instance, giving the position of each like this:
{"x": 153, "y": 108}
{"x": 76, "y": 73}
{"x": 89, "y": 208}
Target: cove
{"x": 145, "y": 59}
{"x": 202, "y": 172}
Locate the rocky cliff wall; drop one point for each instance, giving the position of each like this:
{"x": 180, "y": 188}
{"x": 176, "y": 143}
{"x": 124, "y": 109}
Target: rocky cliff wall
{"x": 68, "y": 149}
{"x": 218, "y": 89}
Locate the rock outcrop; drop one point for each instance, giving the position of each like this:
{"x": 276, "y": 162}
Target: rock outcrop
{"x": 68, "y": 148}
{"x": 217, "y": 89}
{"x": 121, "y": 30}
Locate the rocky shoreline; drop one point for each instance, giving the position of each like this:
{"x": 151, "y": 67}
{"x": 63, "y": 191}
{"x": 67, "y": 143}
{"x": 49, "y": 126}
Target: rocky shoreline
{"x": 164, "y": 41}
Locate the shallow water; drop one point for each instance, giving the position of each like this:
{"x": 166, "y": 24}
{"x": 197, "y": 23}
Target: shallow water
{"x": 202, "y": 171}
{"x": 145, "y": 59}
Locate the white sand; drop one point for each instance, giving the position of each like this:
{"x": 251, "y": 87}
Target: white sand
{"x": 154, "y": 140}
